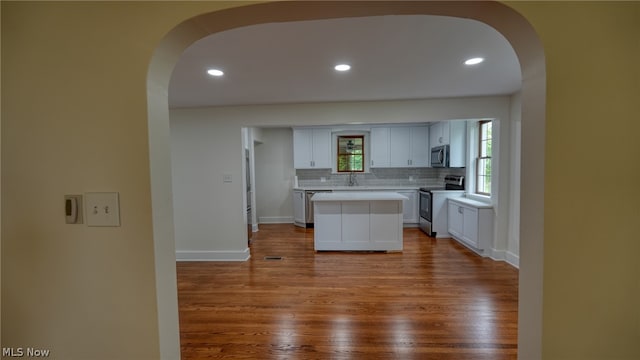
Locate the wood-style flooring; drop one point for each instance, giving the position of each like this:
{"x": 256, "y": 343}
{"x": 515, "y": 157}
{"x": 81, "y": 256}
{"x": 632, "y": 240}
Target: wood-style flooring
{"x": 435, "y": 300}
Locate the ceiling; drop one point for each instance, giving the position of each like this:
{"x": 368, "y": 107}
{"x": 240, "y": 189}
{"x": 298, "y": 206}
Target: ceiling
{"x": 392, "y": 58}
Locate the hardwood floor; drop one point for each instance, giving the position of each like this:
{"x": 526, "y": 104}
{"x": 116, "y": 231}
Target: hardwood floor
{"x": 435, "y": 300}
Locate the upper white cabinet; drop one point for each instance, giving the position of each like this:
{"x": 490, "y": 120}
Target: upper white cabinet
{"x": 379, "y": 147}
{"x": 312, "y": 148}
{"x": 408, "y": 146}
{"x": 439, "y": 134}
{"x": 454, "y": 134}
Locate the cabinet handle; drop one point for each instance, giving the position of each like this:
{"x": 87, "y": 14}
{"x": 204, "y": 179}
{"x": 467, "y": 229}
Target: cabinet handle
{"x": 371, "y": 162}
{"x": 440, "y": 139}
{"x": 460, "y": 210}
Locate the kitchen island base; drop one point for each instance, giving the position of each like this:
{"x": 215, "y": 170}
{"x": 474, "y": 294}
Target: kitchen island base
{"x": 358, "y": 221}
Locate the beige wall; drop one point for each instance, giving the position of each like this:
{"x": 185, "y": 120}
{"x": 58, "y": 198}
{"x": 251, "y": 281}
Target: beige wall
{"x": 74, "y": 120}
{"x": 591, "y": 248}
{"x": 80, "y": 124}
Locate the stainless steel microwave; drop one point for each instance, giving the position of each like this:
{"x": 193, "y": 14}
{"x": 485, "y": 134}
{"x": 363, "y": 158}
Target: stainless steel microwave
{"x": 440, "y": 156}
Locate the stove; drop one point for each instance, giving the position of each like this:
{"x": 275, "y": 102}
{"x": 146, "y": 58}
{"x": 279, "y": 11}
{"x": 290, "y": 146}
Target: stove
{"x": 452, "y": 183}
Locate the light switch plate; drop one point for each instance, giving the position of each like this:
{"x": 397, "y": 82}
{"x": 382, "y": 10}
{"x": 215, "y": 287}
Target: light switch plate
{"x": 102, "y": 209}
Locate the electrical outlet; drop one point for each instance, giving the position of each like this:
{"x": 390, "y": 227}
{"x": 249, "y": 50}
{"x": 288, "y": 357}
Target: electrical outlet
{"x": 102, "y": 209}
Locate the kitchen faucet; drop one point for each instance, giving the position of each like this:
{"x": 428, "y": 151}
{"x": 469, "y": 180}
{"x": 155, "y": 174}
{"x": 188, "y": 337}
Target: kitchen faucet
{"x": 352, "y": 179}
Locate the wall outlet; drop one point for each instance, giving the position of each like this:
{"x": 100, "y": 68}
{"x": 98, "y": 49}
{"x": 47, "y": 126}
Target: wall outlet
{"x": 410, "y": 178}
{"x": 323, "y": 179}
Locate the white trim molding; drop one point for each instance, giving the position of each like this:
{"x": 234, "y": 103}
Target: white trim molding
{"x": 275, "y": 220}
{"x": 513, "y": 259}
{"x": 222, "y": 255}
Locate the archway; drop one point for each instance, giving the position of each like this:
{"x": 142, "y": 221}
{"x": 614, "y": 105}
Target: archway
{"x": 512, "y": 26}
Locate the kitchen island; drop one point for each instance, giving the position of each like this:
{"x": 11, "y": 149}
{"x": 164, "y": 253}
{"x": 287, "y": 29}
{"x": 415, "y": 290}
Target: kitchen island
{"x": 358, "y": 221}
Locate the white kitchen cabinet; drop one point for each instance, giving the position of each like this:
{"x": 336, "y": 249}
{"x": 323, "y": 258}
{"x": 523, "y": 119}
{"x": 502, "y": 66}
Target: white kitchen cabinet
{"x": 410, "y": 207}
{"x": 439, "y": 134}
{"x": 358, "y": 221}
{"x": 419, "y": 141}
{"x": 299, "y": 218}
{"x": 471, "y": 223}
{"x": 379, "y": 147}
{"x": 454, "y": 134}
{"x": 439, "y": 212}
{"x": 312, "y": 148}
{"x": 409, "y": 146}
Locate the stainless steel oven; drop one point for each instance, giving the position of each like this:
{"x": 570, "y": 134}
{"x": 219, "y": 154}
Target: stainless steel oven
{"x": 451, "y": 182}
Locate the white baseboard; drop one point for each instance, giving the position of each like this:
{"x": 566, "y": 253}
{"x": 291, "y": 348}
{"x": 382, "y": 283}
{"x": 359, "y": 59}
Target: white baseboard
{"x": 275, "y": 220}
{"x": 240, "y": 255}
{"x": 498, "y": 255}
{"x": 513, "y": 259}
{"x": 254, "y": 227}
{"x": 506, "y": 256}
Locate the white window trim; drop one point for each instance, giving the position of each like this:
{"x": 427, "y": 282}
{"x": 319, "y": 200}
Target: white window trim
{"x": 473, "y": 127}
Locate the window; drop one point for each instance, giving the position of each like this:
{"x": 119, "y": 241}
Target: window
{"x": 483, "y": 161}
{"x": 350, "y": 153}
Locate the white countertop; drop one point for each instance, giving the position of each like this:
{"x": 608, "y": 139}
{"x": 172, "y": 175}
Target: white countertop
{"x": 366, "y": 188}
{"x": 358, "y": 196}
{"x": 472, "y": 203}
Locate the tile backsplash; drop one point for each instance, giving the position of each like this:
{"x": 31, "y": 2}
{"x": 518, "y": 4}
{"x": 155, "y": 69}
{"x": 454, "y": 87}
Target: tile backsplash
{"x": 378, "y": 177}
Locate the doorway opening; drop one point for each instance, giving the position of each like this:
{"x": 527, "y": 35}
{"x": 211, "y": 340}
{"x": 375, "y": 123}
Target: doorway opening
{"x": 514, "y": 27}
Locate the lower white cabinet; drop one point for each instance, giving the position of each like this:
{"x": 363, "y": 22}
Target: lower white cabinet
{"x": 471, "y": 223}
{"x": 299, "y": 218}
{"x": 358, "y": 221}
{"x": 439, "y": 212}
{"x": 411, "y": 207}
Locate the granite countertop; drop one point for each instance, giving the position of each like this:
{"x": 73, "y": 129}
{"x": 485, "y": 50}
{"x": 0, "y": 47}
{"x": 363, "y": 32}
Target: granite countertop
{"x": 358, "y": 196}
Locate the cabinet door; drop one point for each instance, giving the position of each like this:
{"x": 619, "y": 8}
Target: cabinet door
{"x": 455, "y": 219}
{"x": 379, "y": 147}
{"x": 458, "y": 143}
{"x": 302, "y": 148}
{"x": 470, "y": 226}
{"x": 399, "y": 146}
{"x": 410, "y": 208}
{"x": 435, "y": 134}
{"x": 312, "y": 148}
{"x": 298, "y": 208}
{"x": 439, "y": 133}
{"x": 419, "y": 141}
{"x": 321, "y": 148}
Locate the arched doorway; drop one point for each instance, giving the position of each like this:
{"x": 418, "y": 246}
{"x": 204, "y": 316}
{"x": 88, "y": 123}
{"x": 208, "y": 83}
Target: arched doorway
{"x": 513, "y": 26}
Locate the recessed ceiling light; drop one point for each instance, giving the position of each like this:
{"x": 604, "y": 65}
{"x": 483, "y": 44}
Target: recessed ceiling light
{"x": 342, "y": 67}
{"x": 215, "y": 72}
{"x": 474, "y": 61}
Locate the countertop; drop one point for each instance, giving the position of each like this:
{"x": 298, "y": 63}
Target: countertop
{"x": 473, "y": 203}
{"x": 366, "y": 187}
{"x": 358, "y": 196}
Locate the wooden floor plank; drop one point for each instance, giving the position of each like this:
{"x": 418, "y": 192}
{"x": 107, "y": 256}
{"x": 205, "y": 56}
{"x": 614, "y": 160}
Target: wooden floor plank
{"x": 434, "y": 300}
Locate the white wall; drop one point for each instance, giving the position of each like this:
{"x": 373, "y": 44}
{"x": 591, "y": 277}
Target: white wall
{"x": 207, "y": 143}
{"x": 274, "y": 176}
{"x": 209, "y": 213}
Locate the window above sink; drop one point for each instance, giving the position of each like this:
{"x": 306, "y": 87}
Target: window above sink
{"x": 350, "y": 155}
